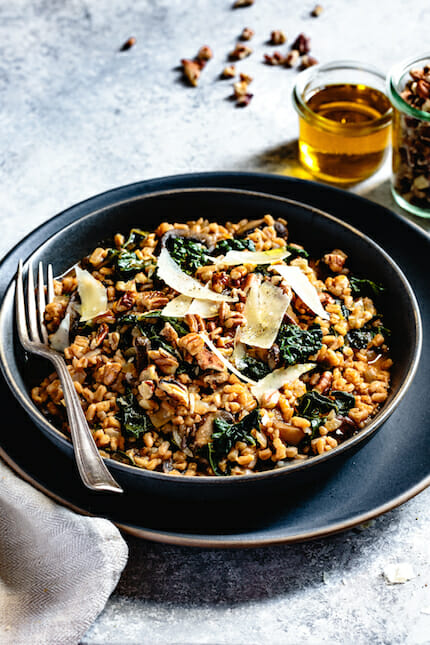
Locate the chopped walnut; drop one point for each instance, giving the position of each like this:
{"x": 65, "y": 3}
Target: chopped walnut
{"x": 246, "y": 78}
{"x": 128, "y": 44}
{"x": 240, "y": 88}
{"x": 292, "y": 58}
{"x": 302, "y": 44}
{"x": 165, "y": 362}
{"x": 174, "y": 390}
{"x": 274, "y": 59}
{"x": 316, "y": 11}
{"x": 308, "y": 61}
{"x": 277, "y": 37}
{"x": 229, "y": 72}
{"x": 195, "y": 346}
{"x": 335, "y": 260}
{"x": 192, "y": 70}
{"x": 204, "y": 53}
{"x": 244, "y": 100}
{"x": 247, "y": 34}
{"x": 240, "y": 51}
{"x": 242, "y": 3}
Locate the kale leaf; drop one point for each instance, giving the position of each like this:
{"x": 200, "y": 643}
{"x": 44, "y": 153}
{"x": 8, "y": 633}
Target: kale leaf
{"x": 233, "y": 244}
{"x": 133, "y": 419}
{"x": 364, "y": 287}
{"x": 344, "y": 401}
{"x": 295, "y": 253}
{"x": 188, "y": 254}
{"x": 315, "y": 406}
{"x": 226, "y": 434}
{"x": 360, "y": 338}
{"x": 126, "y": 262}
{"x": 296, "y": 344}
{"x": 343, "y": 308}
{"x": 254, "y": 368}
{"x": 136, "y": 235}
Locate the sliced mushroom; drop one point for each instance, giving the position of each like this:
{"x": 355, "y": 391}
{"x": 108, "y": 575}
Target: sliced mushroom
{"x": 249, "y": 226}
{"x": 205, "y": 430}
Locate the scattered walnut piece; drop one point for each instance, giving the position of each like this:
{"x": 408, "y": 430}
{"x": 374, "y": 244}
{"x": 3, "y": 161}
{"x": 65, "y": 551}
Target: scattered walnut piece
{"x": 308, "y": 61}
{"x": 229, "y": 71}
{"x": 292, "y": 58}
{"x": 244, "y": 100}
{"x": 192, "y": 70}
{"x": 128, "y": 44}
{"x": 316, "y": 11}
{"x": 240, "y": 51}
{"x": 242, "y": 3}
{"x": 204, "y": 53}
{"x": 274, "y": 59}
{"x": 240, "y": 88}
{"x": 277, "y": 37}
{"x": 246, "y": 78}
{"x": 302, "y": 44}
{"x": 247, "y": 33}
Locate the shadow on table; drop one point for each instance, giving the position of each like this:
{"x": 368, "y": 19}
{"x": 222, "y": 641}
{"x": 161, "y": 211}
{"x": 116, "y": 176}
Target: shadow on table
{"x": 193, "y": 576}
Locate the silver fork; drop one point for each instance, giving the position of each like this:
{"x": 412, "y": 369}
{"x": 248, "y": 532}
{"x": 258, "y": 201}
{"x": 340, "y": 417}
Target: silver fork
{"x": 34, "y": 338}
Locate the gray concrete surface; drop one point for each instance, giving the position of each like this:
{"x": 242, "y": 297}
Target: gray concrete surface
{"x": 78, "y": 117}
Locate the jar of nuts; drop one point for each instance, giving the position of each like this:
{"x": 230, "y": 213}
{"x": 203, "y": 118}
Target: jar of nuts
{"x": 409, "y": 92}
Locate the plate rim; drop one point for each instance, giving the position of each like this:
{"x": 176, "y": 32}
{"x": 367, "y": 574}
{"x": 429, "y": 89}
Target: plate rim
{"x": 221, "y": 541}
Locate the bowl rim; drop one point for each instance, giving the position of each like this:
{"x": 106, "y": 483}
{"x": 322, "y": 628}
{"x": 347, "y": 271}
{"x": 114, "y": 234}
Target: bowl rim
{"x": 57, "y": 435}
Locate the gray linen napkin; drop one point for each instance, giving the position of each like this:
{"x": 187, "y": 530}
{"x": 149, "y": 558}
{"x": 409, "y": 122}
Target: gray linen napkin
{"x": 57, "y": 568}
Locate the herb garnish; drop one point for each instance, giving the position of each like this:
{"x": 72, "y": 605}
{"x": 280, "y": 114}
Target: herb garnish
{"x": 297, "y": 344}
{"x": 133, "y": 419}
{"x": 226, "y": 434}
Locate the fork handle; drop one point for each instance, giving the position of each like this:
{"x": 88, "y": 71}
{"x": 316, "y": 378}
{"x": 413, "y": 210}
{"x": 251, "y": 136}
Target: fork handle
{"x": 90, "y": 464}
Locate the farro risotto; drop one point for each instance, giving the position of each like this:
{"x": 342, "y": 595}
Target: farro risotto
{"x": 208, "y": 349}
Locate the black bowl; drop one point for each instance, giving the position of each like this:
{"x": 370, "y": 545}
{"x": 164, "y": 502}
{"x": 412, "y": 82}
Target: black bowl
{"x": 319, "y": 232}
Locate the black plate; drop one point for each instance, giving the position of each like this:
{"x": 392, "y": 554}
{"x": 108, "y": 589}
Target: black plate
{"x": 386, "y": 472}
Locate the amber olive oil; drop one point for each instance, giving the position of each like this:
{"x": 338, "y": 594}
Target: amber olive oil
{"x": 343, "y": 138}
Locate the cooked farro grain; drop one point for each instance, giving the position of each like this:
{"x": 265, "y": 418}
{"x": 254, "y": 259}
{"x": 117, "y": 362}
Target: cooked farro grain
{"x": 176, "y": 393}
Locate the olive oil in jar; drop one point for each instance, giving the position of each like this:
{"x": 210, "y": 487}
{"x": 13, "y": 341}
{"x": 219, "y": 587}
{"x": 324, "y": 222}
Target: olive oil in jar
{"x": 343, "y": 132}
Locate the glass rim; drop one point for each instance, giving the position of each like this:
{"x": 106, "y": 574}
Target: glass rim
{"x": 353, "y": 129}
{"x": 394, "y": 77}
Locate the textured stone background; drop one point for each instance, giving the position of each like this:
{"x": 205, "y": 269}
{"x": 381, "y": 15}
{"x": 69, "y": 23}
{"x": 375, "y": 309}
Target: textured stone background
{"x": 77, "y": 117}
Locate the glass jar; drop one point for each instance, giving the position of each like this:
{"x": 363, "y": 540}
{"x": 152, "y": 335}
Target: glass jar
{"x": 411, "y": 142}
{"x": 344, "y": 120}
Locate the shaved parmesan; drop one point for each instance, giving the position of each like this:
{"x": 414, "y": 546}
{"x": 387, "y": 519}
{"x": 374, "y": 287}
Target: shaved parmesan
{"x": 93, "y": 295}
{"x": 60, "y": 340}
{"x": 264, "y": 310}
{"x": 301, "y": 285}
{"x": 233, "y": 258}
{"x": 173, "y": 276}
{"x": 178, "y": 307}
{"x": 204, "y": 308}
{"x": 226, "y": 362}
{"x": 238, "y": 355}
{"x": 275, "y": 380}
{"x": 397, "y": 574}
{"x": 183, "y": 305}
